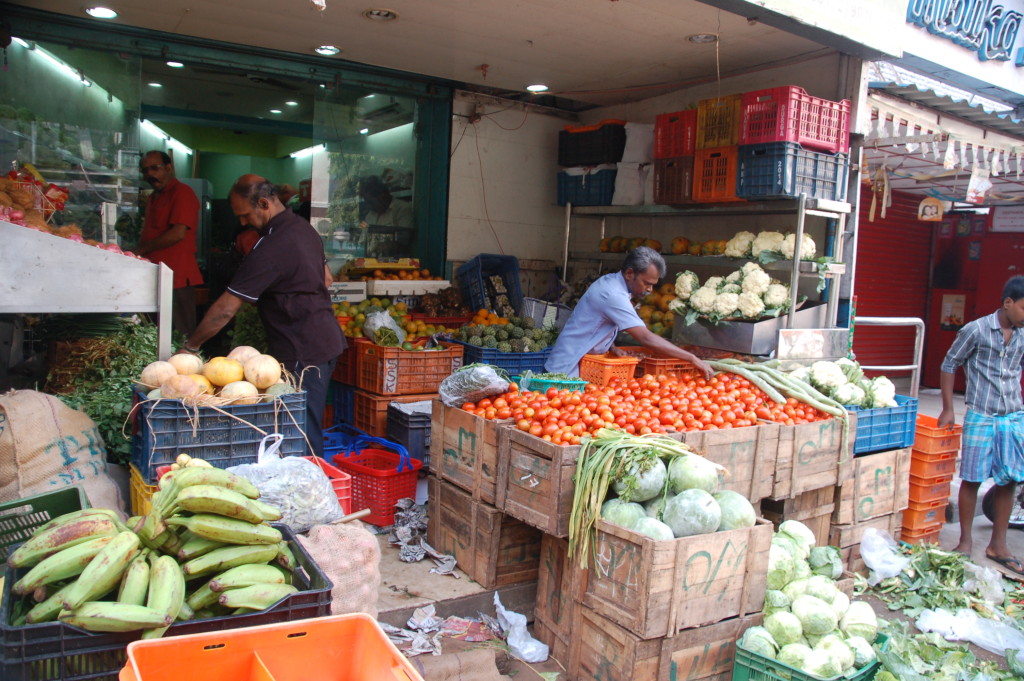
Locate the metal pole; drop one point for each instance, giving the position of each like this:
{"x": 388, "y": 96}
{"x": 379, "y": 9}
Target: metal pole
{"x": 794, "y": 280}
{"x": 565, "y": 253}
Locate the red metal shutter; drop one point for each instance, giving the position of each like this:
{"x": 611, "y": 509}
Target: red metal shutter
{"x": 893, "y": 261}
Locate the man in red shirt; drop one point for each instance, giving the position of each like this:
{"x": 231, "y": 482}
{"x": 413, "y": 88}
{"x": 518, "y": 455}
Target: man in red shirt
{"x": 169, "y": 234}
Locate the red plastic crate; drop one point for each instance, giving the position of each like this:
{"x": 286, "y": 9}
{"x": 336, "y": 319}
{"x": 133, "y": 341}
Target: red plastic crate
{"x": 345, "y": 370}
{"x": 377, "y": 482}
{"x": 673, "y": 180}
{"x": 675, "y": 134}
{"x": 789, "y": 114}
{"x": 718, "y": 121}
{"x": 341, "y": 482}
{"x": 714, "y": 175}
{"x": 394, "y": 371}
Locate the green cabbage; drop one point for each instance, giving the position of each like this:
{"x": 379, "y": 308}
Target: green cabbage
{"x": 826, "y": 561}
{"x": 840, "y": 603}
{"x": 790, "y": 546}
{"x": 837, "y": 650}
{"x": 863, "y": 652}
{"x": 799, "y": 533}
{"x": 653, "y": 528}
{"x": 656, "y": 506}
{"x": 794, "y": 654}
{"x": 822, "y": 587}
{"x": 621, "y": 512}
{"x": 860, "y": 620}
{"x": 784, "y": 627}
{"x": 774, "y": 600}
{"x": 737, "y": 511}
{"x": 693, "y": 472}
{"x": 815, "y": 615}
{"x": 780, "y": 567}
{"x": 801, "y": 569}
{"x": 642, "y": 485}
{"x": 821, "y": 663}
{"x": 796, "y": 587}
{"x": 759, "y": 640}
{"x": 692, "y": 511}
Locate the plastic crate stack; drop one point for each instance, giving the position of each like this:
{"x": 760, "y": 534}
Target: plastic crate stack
{"x": 792, "y": 143}
{"x": 588, "y": 155}
{"x": 342, "y": 393}
{"x": 716, "y": 153}
{"x": 675, "y": 135}
{"x": 932, "y": 466}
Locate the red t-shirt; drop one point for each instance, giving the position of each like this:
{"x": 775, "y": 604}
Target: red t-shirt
{"x": 177, "y": 204}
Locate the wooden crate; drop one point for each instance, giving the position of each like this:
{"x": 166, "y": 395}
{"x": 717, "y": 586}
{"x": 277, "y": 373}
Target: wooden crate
{"x": 813, "y": 508}
{"x": 603, "y": 650}
{"x": 464, "y": 450}
{"x": 880, "y": 486}
{"x": 493, "y": 548}
{"x": 556, "y": 600}
{"x": 847, "y": 537}
{"x": 656, "y": 588}
{"x": 746, "y": 453}
{"x": 535, "y": 480}
{"x": 809, "y": 457}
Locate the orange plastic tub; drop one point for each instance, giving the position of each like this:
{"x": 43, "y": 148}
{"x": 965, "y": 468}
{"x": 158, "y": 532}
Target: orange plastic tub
{"x": 925, "y": 536}
{"x": 920, "y": 516}
{"x": 338, "y": 648}
{"x": 923, "y": 490}
{"x": 925, "y": 465}
{"x": 930, "y": 439}
{"x": 603, "y": 369}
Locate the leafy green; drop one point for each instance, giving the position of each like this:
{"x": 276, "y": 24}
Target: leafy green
{"x": 248, "y": 329}
{"x": 925, "y": 657}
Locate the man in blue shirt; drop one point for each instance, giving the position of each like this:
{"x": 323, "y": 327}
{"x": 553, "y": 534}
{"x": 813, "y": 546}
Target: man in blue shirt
{"x": 607, "y": 308}
{"x": 991, "y": 351}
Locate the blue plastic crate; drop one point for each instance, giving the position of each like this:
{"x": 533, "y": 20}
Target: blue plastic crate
{"x": 583, "y": 187}
{"x": 785, "y": 170}
{"x": 474, "y": 275}
{"x": 412, "y": 431}
{"x": 343, "y": 397}
{"x": 886, "y": 427}
{"x": 167, "y": 428}
{"x": 514, "y": 363}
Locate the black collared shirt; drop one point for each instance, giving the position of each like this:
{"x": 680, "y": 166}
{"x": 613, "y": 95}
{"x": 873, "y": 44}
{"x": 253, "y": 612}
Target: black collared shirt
{"x": 284, "y": 277}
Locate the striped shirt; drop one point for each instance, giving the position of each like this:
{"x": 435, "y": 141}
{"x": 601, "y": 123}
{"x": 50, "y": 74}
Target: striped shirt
{"x": 993, "y": 367}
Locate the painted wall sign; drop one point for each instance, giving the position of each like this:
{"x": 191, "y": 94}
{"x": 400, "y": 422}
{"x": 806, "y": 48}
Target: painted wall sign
{"x": 983, "y": 26}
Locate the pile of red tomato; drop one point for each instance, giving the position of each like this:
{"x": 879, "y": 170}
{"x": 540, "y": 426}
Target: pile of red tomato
{"x": 650, "y": 404}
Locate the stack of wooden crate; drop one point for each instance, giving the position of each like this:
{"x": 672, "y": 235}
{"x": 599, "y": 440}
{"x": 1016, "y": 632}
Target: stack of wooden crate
{"x": 932, "y": 466}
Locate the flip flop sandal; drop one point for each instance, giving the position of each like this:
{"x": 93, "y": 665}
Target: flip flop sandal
{"x": 1009, "y": 562}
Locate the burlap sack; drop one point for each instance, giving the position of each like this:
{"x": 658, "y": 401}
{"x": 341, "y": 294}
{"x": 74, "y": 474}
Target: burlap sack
{"x": 466, "y": 665}
{"x": 349, "y": 555}
{"x": 46, "y": 445}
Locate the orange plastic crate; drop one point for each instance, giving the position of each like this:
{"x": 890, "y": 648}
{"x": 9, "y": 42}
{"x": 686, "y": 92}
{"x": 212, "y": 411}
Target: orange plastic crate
{"x": 394, "y": 371}
{"x": 932, "y": 465}
{"x": 370, "y": 412}
{"x": 924, "y": 515}
{"x": 718, "y": 121}
{"x": 930, "y": 439}
{"x": 923, "y": 490}
{"x": 927, "y": 536}
{"x": 602, "y": 369}
{"x": 345, "y": 367}
{"x": 377, "y": 482}
{"x": 655, "y": 364}
{"x": 714, "y": 174}
{"x": 349, "y": 647}
{"x": 341, "y": 482}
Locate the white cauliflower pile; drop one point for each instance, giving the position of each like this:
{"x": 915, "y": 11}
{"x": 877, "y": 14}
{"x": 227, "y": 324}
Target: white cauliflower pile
{"x": 807, "y": 247}
{"x": 739, "y": 245}
{"x": 747, "y": 293}
{"x": 766, "y": 242}
{"x": 783, "y": 244}
{"x": 844, "y": 381}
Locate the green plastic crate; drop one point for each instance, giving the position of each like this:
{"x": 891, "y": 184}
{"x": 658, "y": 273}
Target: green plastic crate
{"x": 20, "y": 518}
{"x": 751, "y": 666}
{"x": 541, "y": 385}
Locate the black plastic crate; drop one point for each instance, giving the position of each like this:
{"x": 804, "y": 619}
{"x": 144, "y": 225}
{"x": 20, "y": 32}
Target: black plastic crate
{"x": 673, "y": 180}
{"x": 474, "y": 278}
{"x": 344, "y": 397}
{"x": 20, "y": 518}
{"x": 412, "y": 431}
{"x": 55, "y": 651}
{"x": 167, "y": 428}
{"x": 591, "y": 145}
{"x": 585, "y": 187}
{"x": 785, "y": 169}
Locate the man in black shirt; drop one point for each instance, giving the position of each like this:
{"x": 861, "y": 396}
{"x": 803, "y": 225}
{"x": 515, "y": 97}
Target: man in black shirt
{"x": 286, "y": 277}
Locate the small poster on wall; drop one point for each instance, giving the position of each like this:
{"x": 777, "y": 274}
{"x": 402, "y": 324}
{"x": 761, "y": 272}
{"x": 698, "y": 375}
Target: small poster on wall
{"x": 930, "y": 210}
{"x": 953, "y": 311}
{"x": 1008, "y": 219}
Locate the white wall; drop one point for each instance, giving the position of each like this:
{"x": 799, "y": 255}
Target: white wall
{"x": 502, "y": 182}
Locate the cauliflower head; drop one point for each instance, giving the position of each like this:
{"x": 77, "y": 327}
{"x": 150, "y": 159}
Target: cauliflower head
{"x": 731, "y": 287}
{"x": 766, "y": 241}
{"x": 750, "y": 267}
{"x": 849, "y": 394}
{"x": 827, "y": 376}
{"x": 883, "y": 392}
{"x": 714, "y": 283}
{"x": 739, "y": 245}
{"x": 776, "y": 295}
{"x": 756, "y": 282}
{"x": 736, "y": 276}
{"x": 801, "y": 374}
{"x": 686, "y": 283}
{"x": 807, "y": 247}
{"x": 677, "y": 306}
{"x": 703, "y": 300}
{"x": 750, "y": 305}
{"x": 726, "y": 304}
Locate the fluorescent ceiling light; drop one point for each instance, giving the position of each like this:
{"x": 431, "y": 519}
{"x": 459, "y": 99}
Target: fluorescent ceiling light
{"x": 156, "y": 85}
{"x": 364, "y": 131}
{"x": 101, "y": 13}
{"x": 21, "y": 42}
{"x": 61, "y": 66}
{"x": 275, "y": 111}
{"x": 308, "y": 151}
{"x": 155, "y": 129}
{"x": 539, "y": 87}
{"x": 327, "y": 50}
{"x": 175, "y": 64}
{"x": 291, "y": 103}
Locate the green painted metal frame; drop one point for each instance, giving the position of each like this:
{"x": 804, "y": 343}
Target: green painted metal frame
{"x": 433, "y": 96}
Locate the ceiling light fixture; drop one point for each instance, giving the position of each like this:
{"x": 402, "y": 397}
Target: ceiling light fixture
{"x": 291, "y": 103}
{"x": 327, "y": 50}
{"x": 275, "y": 111}
{"x": 380, "y": 14}
{"x": 538, "y": 87}
{"x": 156, "y": 85}
{"x": 308, "y": 151}
{"x": 175, "y": 64}
{"x": 364, "y": 131}
{"x": 702, "y": 38}
{"x": 101, "y": 12}
{"x": 21, "y": 42}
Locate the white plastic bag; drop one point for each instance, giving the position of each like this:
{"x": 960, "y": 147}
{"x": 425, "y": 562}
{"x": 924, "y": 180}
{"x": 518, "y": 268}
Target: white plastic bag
{"x": 522, "y": 645}
{"x": 299, "y": 488}
{"x": 880, "y": 553}
{"x": 471, "y": 384}
{"x": 966, "y": 625}
{"x": 985, "y": 580}
{"x": 382, "y": 320}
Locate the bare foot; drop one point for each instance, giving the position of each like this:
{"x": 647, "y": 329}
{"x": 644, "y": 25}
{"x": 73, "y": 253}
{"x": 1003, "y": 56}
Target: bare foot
{"x": 964, "y": 548}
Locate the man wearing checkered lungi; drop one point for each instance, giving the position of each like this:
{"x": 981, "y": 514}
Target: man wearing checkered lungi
{"x": 991, "y": 351}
